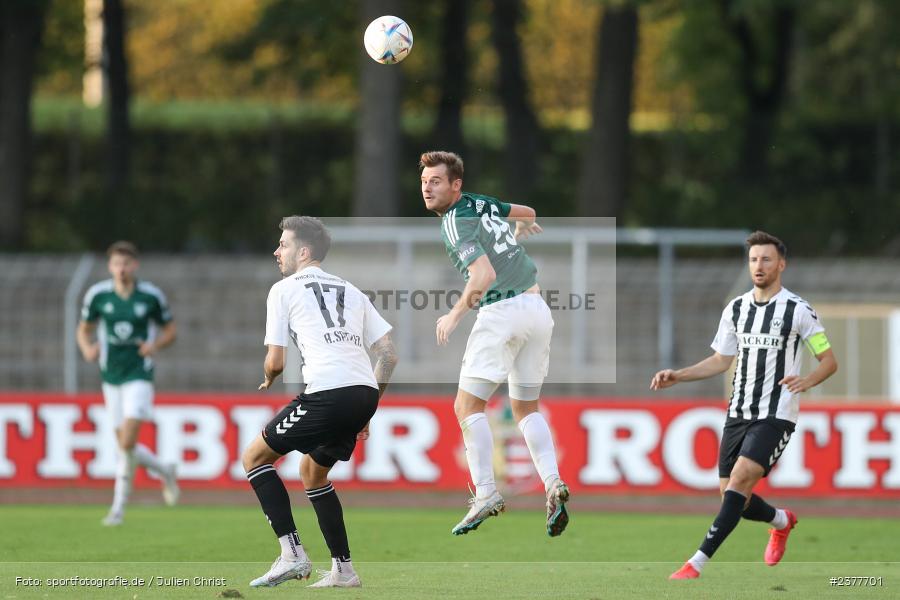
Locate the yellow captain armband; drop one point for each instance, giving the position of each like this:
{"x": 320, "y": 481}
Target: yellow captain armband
{"x": 818, "y": 343}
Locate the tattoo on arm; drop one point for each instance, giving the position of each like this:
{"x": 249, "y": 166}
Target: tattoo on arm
{"x": 386, "y": 360}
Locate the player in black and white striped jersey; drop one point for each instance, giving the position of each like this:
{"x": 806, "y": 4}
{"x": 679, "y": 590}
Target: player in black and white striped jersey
{"x": 764, "y": 329}
{"x": 766, "y": 338}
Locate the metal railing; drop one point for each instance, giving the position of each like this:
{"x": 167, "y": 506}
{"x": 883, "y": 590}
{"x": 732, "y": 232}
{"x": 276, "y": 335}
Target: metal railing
{"x": 406, "y": 238}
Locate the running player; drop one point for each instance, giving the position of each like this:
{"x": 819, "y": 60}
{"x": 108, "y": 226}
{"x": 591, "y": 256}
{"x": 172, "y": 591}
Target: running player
{"x": 510, "y": 340}
{"x": 332, "y": 323}
{"x": 135, "y": 324}
{"x": 763, "y": 328}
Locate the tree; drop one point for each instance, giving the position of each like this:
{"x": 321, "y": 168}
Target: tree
{"x": 119, "y": 126}
{"x": 764, "y": 61}
{"x": 376, "y": 188}
{"x": 603, "y": 184}
{"x": 522, "y": 129}
{"x": 21, "y": 25}
{"x": 455, "y": 60}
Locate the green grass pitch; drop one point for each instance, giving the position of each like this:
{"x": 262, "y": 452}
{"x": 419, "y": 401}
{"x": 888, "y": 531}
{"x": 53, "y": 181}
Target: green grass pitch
{"x": 405, "y": 553}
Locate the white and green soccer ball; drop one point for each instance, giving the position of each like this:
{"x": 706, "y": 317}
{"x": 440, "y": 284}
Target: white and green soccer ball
{"x": 388, "y": 40}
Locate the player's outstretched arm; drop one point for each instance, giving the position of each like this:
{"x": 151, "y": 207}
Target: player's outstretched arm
{"x": 524, "y": 217}
{"x": 520, "y": 212}
{"x": 273, "y": 365}
{"x": 385, "y": 361}
{"x": 712, "y": 365}
{"x": 827, "y": 367}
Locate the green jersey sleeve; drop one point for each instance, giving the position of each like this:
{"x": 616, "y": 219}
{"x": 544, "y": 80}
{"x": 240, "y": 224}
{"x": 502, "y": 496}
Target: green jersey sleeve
{"x": 160, "y": 312}
{"x": 90, "y": 308}
{"x": 157, "y": 303}
{"x": 461, "y": 238}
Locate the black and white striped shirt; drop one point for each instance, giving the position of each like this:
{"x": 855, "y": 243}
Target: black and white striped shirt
{"x": 766, "y": 339}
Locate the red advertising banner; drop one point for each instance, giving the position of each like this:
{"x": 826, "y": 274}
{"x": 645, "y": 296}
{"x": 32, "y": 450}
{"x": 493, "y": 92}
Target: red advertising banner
{"x": 605, "y": 446}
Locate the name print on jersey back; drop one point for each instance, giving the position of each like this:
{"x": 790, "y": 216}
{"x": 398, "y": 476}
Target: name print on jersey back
{"x": 330, "y": 322}
{"x": 340, "y": 293}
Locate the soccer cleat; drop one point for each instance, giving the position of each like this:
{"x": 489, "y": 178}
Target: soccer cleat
{"x": 170, "y": 490}
{"x": 481, "y": 509}
{"x": 557, "y": 516}
{"x": 282, "y": 570}
{"x": 687, "y": 571}
{"x": 113, "y": 519}
{"x": 778, "y": 541}
{"x": 336, "y": 578}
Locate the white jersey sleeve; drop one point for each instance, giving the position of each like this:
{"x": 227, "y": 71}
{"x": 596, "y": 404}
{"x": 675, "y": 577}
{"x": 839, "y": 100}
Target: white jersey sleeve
{"x": 375, "y": 326}
{"x": 726, "y": 342}
{"x": 277, "y": 323}
{"x": 808, "y": 323}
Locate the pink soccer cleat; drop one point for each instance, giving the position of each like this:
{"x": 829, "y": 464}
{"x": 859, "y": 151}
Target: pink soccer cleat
{"x": 778, "y": 541}
{"x": 687, "y": 571}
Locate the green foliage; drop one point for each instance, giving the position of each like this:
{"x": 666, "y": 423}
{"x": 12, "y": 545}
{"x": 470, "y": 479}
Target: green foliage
{"x": 304, "y": 34}
{"x": 850, "y": 56}
{"x": 210, "y": 175}
{"x": 215, "y": 177}
{"x": 61, "y": 58}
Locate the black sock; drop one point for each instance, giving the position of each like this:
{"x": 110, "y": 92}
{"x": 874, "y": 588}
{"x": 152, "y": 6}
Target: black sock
{"x": 331, "y": 520}
{"x": 759, "y": 510}
{"x": 274, "y": 499}
{"x": 726, "y": 520}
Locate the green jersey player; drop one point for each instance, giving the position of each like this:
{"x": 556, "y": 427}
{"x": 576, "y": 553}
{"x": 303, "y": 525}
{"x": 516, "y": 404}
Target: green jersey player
{"x": 510, "y": 340}
{"x": 124, "y": 314}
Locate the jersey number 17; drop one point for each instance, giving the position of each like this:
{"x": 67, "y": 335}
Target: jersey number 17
{"x": 320, "y": 291}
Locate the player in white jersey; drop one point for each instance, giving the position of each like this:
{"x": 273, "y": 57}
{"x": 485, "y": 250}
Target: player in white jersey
{"x": 333, "y": 324}
{"x": 764, "y": 329}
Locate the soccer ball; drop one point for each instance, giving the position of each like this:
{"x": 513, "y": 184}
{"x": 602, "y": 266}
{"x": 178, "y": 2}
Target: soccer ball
{"x": 388, "y": 40}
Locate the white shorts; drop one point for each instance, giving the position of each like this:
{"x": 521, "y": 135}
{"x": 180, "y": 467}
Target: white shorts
{"x": 510, "y": 341}
{"x": 130, "y": 400}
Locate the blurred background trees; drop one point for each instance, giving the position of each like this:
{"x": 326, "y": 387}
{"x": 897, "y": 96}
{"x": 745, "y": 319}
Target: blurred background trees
{"x": 21, "y": 26}
{"x": 217, "y": 118}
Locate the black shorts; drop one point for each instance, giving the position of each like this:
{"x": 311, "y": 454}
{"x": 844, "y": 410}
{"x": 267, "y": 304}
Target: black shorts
{"x": 762, "y": 441}
{"x": 324, "y": 424}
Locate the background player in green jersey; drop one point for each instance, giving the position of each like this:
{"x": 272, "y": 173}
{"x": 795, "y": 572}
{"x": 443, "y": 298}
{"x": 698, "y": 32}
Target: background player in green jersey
{"x": 510, "y": 340}
{"x": 124, "y": 322}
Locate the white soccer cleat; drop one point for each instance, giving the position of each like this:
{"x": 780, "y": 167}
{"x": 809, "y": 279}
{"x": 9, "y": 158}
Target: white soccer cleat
{"x": 113, "y": 519}
{"x": 557, "y": 515}
{"x": 481, "y": 509}
{"x": 336, "y": 577}
{"x": 283, "y": 570}
{"x": 170, "y": 490}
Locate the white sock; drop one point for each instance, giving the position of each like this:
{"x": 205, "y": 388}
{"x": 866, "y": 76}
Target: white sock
{"x": 291, "y": 548}
{"x": 145, "y": 458}
{"x": 124, "y": 480}
{"x": 781, "y": 519}
{"x": 479, "y": 453}
{"x": 344, "y": 567}
{"x": 698, "y": 560}
{"x": 540, "y": 443}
